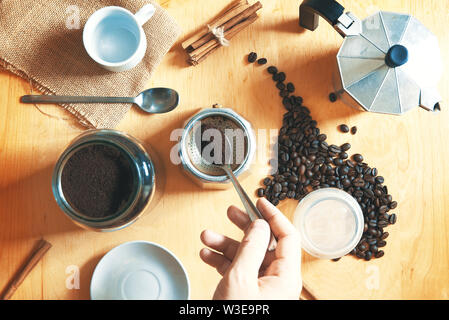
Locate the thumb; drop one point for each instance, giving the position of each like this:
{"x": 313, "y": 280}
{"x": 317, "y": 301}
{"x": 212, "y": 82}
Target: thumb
{"x": 252, "y": 249}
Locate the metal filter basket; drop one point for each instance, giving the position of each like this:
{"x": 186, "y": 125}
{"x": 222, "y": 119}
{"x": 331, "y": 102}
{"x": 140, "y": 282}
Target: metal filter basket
{"x": 196, "y": 160}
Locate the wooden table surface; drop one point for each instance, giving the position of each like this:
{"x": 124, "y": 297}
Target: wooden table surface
{"x": 410, "y": 151}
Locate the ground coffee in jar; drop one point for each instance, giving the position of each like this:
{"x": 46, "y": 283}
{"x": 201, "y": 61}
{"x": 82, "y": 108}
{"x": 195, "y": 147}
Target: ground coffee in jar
{"x": 98, "y": 180}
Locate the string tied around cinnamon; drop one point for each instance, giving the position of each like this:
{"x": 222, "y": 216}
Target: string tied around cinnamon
{"x": 219, "y": 34}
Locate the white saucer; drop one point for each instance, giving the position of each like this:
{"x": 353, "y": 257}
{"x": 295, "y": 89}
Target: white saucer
{"x": 139, "y": 270}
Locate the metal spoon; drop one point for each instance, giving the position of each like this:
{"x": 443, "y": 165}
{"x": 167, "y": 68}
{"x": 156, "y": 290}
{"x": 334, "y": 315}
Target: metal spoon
{"x": 155, "y": 100}
{"x": 250, "y": 208}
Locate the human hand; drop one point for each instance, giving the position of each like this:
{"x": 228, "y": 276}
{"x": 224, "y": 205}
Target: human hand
{"x": 250, "y": 271}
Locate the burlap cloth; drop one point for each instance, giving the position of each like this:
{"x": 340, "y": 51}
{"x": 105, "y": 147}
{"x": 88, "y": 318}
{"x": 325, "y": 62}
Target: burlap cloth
{"x": 37, "y": 44}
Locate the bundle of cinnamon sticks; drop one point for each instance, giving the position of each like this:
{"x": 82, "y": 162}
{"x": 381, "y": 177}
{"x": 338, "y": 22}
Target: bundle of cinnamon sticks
{"x": 233, "y": 19}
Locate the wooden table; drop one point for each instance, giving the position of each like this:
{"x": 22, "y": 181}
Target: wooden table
{"x": 410, "y": 151}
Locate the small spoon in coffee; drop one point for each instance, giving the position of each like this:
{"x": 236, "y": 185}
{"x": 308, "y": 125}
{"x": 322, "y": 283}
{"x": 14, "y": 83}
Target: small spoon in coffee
{"x": 155, "y": 100}
{"x": 250, "y": 208}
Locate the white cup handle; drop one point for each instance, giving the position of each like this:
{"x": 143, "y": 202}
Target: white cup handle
{"x": 145, "y": 13}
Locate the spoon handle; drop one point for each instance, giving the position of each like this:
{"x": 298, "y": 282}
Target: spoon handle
{"x": 74, "y": 99}
{"x": 250, "y": 208}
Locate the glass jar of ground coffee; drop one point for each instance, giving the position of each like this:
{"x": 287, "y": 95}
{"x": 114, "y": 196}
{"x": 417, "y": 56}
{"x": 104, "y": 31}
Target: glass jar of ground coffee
{"x": 106, "y": 179}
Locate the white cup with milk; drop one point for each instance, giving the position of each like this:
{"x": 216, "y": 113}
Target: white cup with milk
{"x": 330, "y": 222}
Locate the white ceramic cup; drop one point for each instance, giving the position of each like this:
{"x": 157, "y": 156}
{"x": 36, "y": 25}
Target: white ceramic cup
{"x": 114, "y": 38}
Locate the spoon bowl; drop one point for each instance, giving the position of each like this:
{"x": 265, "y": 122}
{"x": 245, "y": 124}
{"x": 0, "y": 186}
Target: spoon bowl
{"x": 157, "y": 100}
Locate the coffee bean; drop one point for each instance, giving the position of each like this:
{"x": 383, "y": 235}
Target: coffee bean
{"x": 321, "y": 137}
{"x": 346, "y": 182}
{"x": 267, "y": 181}
{"x": 357, "y": 157}
{"x": 358, "y": 182}
{"x": 362, "y": 247}
{"x": 383, "y": 209}
{"x": 383, "y": 216}
{"x": 302, "y": 169}
{"x": 275, "y": 201}
{"x": 368, "y": 255}
{"x": 297, "y": 161}
{"x": 260, "y": 192}
{"x": 283, "y": 93}
{"x": 345, "y": 146}
{"x": 252, "y": 57}
{"x": 383, "y": 223}
{"x": 332, "y": 97}
{"x": 262, "y": 61}
{"x": 368, "y": 193}
{"x": 354, "y": 130}
{"x": 272, "y": 70}
{"x": 343, "y": 155}
{"x": 379, "y": 254}
{"x": 282, "y": 76}
{"x": 350, "y": 163}
{"x": 290, "y": 87}
{"x": 277, "y": 187}
{"x": 344, "y": 128}
{"x": 338, "y": 162}
{"x": 280, "y": 86}
{"x": 392, "y": 219}
{"x": 380, "y": 179}
{"x": 335, "y": 149}
{"x": 393, "y": 205}
{"x": 381, "y": 243}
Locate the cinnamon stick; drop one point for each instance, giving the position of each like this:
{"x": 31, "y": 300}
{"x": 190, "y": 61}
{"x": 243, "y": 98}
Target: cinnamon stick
{"x": 37, "y": 254}
{"x": 229, "y": 24}
{"x": 199, "y": 55}
{"x": 231, "y": 11}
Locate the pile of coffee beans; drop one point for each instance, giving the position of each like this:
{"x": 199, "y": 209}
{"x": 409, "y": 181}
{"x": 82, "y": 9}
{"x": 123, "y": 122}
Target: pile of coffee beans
{"x": 306, "y": 162}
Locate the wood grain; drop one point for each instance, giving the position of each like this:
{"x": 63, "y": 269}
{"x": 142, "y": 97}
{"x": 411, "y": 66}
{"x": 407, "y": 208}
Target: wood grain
{"x": 410, "y": 151}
